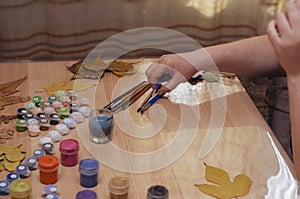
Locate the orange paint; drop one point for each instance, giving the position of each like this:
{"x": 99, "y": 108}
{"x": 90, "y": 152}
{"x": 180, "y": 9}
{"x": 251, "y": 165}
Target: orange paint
{"x": 48, "y": 166}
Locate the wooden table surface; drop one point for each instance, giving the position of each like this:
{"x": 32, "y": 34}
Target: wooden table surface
{"x": 159, "y": 147}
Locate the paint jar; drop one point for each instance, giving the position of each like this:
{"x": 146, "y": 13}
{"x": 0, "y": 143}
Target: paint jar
{"x": 4, "y": 187}
{"x": 45, "y": 104}
{"x": 70, "y": 122}
{"x": 31, "y": 162}
{"x": 32, "y": 121}
{"x": 64, "y": 113}
{"x": 23, "y": 171}
{"x": 44, "y": 124}
{"x": 88, "y": 169}
{"x": 65, "y": 100}
{"x": 41, "y": 116}
{"x": 29, "y": 106}
{"x": 60, "y": 93}
{"x": 84, "y": 110}
{"x": 54, "y": 135}
{"x": 72, "y": 94}
{"x": 52, "y": 99}
{"x": 157, "y": 192}
{"x": 21, "y": 125}
{"x": 73, "y": 107}
{"x": 84, "y": 102}
{"x": 50, "y": 189}
{"x": 21, "y": 112}
{"x": 38, "y": 153}
{"x": 86, "y": 194}
{"x": 62, "y": 129}
{"x": 101, "y": 123}
{"x": 37, "y": 100}
{"x": 45, "y": 139}
{"x": 69, "y": 152}
{"x": 78, "y": 118}
{"x": 12, "y": 176}
{"x": 118, "y": 187}
{"x": 48, "y": 148}
{"x": 54, "y": 119}
{"x": 52, "y": 196}
{"x": 57, "y": 105}
{"x": 48, "y": 110}
{"x": 20, "y": 189}
{"x": 48, "y": 166}
{"x": 33, "y": 130}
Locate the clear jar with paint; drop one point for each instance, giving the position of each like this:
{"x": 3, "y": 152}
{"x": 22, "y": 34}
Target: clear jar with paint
{"x": 4, "y": 187}
{"x": 48, "y": 166}
{"x": 20, "y": 189}
{"x": 118, "y": 187}
{"x": 86, "y": 194}
{"x": 31, "y": 162}
{"x": 23, "y": 171}
{"x": 88, "y": 169}
{"x": 54, "y": 119}
{"x": 21, "y": 125}
{"x": 157, "y": 192}
{"x": 69, "y": 152}
{"x": 12, "y": 176}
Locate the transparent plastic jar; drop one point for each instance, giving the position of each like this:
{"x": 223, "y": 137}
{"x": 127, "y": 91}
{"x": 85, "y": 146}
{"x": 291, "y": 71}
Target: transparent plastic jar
{"x": 69, "y": 152}
{"x": 118, "y": 187}
{"x": 48, "y": 166}
{"x": 20, "y": 189}
{"x": 88, "y": 169}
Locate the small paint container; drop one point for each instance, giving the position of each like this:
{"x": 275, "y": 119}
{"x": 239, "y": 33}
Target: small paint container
{"x": 23, "y": 171}
{"x": 44, "y": 124}
{"x": 84, "y": 102}
{"x": 72, "y": 94}
{"x": 21, "y": 125}
{"x": 37, "y": 100}
{"x": 38, "y": 153}
{"x": 77, "y": 117}
{"x": 54, "y": 119}
{"x": 70, "y": 122}
{"x": 32, "y": 121}
{"x": 60, "y": 93}
{"x": 33, "y": 130}
{"x": 54, "y": 135}
{"x": 12, "y": 176}
{"x": 86, "y": 194}
{"x": 64, "y": 113}
{"x": 69, "y": 152}
{"x": 41, "y": 116}
{"x": 50, "y": 189}
{"x": 62, "y": 129}
{"x": 84, "y": 110}
{"x": 20, "y": 189}
{"x": 88, "y": 169}
{"x": 45, "y": 139}
{"x": 73, "y": 107}
{"x": 48, "y": 148}
{"x": 157, "y": 192}
{"x": 48, "y": 110}
{"x": 29, "y": 106}
{"x": 48, "y": 166}
{"x": 31, "y": 163}
{"x": 4, "y": 187}
{"x": 52, "y": 196}
{"x": 52, "y": 99}
{"x": 21, "y": 112}
{"x": 65, "y": 100}
{"x": 28, "y": 116}
{"x": 56, "y": 105}
{"x": 118, "y": 187}
{"x": 45, "y": 104}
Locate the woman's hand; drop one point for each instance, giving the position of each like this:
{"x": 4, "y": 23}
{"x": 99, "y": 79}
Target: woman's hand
{"x": 284, "y": 35}
{"x": 172, "y": 69}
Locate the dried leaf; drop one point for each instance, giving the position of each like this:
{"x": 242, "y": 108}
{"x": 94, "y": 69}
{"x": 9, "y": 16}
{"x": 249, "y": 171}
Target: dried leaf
{"x": 14, "y": 155}
{"x": 70, "y": 85}
{"x": 224, "y": 188}
{"x": 9, "y": 88}
{"x": 2, "y": 167}
{"x": 10, "y": 166}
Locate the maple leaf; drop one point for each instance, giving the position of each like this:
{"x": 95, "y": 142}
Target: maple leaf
{"x": 9, "y": 88}
{"x": 224, "y": 188}
{"x": 71, "y": 85}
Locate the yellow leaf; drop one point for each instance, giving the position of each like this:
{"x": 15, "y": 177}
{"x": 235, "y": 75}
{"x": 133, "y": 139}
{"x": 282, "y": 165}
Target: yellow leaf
{"x": 14, "y": 155}
{"x": 10, "y": 166}
{"x": 2, "y": 166}
{"x": 69, "y": 85}
{"x": 224, "y": 188}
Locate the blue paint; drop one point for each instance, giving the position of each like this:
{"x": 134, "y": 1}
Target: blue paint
{"x": 4, "y": 187}
{"x": 12, "y": 176}
{"x": 88, "y": 169}
{"x": 86, "y": 194}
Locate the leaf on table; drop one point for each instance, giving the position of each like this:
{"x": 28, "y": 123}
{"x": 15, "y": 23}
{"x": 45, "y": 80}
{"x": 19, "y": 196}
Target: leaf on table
{"x": 10, "y": 156}
{"x": 6, "y": 91}
{"x": 10, "y": 166}
{"x": 14, "y": 155}
{"x": 223, "y": 188}
{"x": 69, "y": 85}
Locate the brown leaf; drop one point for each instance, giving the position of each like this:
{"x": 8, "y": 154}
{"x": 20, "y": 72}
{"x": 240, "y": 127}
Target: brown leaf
{"x": 10, "y": 87}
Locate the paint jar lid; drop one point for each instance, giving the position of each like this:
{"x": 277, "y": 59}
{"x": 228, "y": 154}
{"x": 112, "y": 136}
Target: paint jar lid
{"x": 88, "y": 166}
{"x": 86, "y": 194}
{"x": 4, "y": 187}
{"x": 69, "y": 146}
{"x": 12, "y": 176}
{"x": 48, "y": 162}
{"x": 157, "y": 192}
{"x": 20, "y": 188}
{"x": 118, "y": 185}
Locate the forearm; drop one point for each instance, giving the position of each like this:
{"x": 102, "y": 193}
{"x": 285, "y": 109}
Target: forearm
{"x": 294, "y": 98}
{"x": 249, "y": 57}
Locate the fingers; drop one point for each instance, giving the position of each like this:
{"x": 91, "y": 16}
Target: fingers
{"x": 273, "y": 34}
{"x": 293, "y": 13}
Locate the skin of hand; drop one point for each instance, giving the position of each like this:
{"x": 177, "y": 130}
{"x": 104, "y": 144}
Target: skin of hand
{"x": 284, "y": 35}
{"x": 172, "y": 69}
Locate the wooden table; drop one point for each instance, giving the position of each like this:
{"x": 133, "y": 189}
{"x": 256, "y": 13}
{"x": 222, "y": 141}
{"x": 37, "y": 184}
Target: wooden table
{"x": 140, "y": 143}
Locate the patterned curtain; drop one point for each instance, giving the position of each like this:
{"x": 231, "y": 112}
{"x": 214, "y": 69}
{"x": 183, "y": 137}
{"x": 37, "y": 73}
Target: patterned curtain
{"x": 69, "y": 29}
